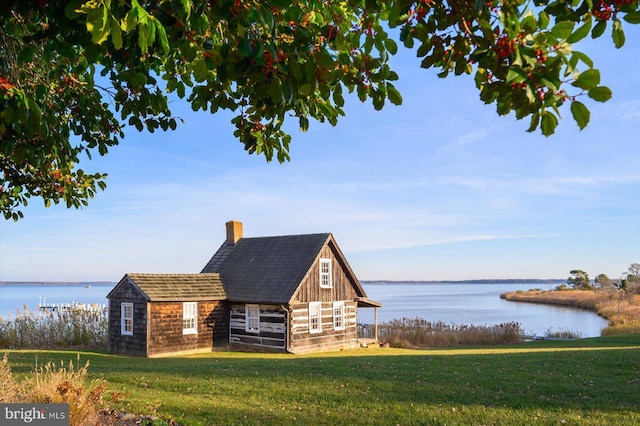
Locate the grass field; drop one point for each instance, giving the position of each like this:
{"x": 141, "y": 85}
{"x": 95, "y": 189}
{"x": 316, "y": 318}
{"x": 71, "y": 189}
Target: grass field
{"x": 588, "y": 381}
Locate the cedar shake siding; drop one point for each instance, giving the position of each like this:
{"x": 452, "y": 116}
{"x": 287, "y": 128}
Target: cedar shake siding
{"x": 158, "y": 302}
{"x": 166, "y": 328}
{"x": 136, "y": 344}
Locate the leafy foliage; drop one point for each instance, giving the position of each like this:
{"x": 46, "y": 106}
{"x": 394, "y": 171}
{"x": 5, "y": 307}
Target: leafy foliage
{"x": 579, "y": 280}
{"x": 74, "y": 73}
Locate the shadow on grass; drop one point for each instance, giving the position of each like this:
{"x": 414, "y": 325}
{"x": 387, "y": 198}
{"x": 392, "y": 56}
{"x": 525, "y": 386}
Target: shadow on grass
{"x": 591, "y": 380}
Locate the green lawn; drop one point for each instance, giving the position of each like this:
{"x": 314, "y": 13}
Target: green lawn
{"x": 588, "y": 381}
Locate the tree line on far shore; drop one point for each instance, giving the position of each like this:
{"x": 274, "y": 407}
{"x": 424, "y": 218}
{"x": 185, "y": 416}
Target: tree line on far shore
{"x": 628, "y": 283}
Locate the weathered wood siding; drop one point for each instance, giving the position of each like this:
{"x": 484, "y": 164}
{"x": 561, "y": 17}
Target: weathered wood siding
{"x": 342, "y": 288}
{"x": 166, "y": 327}
{"x": 328, "y": 339}
{"x": 273, "y": 329}
{"x": 124, "y": 344}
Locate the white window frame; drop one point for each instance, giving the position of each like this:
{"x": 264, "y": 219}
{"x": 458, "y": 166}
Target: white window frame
{"x": 326, "y": 276}
{"x": 190, "y": 318}
{"x": 315, "y": 317}
{"x": 126, "y": 318}
{"x": 338, "y": 316}
{"x": 252, "y": 318}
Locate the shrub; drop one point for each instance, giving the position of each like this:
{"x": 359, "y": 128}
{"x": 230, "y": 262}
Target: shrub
{"x": 9, "y": 389}
{"x": 51, "y": 385}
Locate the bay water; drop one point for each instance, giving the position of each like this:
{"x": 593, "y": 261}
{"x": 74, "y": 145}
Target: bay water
{"x": 477, "y": 304}
{"x": 458, "y": 303}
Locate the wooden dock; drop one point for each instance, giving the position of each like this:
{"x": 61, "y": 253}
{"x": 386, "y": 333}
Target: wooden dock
{"x": 73, "y": 307}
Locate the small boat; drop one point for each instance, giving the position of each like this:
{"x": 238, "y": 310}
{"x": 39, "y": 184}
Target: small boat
{"x": 88, "y": 286}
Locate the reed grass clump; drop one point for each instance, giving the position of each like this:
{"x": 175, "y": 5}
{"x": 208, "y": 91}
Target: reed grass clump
{"x": 419, "y": 333}
{"x": 57, "y": 385}
{"x": 562, "y": 334}
{"x": 73, "y": 328}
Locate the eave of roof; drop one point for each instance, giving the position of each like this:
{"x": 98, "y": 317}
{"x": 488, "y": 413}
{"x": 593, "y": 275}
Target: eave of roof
{"x": 365, "y": 302}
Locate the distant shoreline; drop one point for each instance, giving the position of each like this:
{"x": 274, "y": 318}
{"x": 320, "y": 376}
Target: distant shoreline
{"x": 483, "y": 281}
{"x": 56, "y": 283}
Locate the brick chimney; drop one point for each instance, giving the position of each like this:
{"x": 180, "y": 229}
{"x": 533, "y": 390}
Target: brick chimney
{"x": 234, "y": 231}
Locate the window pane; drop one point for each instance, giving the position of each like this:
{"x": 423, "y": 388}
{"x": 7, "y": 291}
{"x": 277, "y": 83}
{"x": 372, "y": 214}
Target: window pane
{"x": 126, "y": 312}
{"x": 325, "y": 273}
{"x": 252, "y": 318}
{"x": 190, "y": 318}
{"x": 315, "y": 317}
{"x": 338, "y": 315}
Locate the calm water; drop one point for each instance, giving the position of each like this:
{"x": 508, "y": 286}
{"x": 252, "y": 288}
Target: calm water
{"x": 15, "y": 297}
{"x": 451, "y": 303}
{"x": 478, "y": 304}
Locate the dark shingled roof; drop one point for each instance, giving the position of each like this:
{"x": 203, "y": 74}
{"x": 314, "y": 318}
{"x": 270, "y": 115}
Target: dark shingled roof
{"x": 266, "y": 269}
{"x": 179, "y": 287}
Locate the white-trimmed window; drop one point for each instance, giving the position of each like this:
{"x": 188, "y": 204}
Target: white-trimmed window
{"x": 126, "y": 319}
{"x": 325, "y": 273}
{"x": 190, "y": 318}
{"x": 315, "y": 317}
{"x": 252, "y": 318}
{"x": 338, "y": 315}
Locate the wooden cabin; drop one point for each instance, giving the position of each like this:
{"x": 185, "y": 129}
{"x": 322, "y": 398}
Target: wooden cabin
{"x": 160, "y": 314}
{"x": 293, "y": 293}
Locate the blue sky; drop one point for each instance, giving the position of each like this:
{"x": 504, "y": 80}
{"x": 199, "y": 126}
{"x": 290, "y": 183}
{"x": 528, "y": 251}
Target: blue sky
{"x": 439, "y": 188}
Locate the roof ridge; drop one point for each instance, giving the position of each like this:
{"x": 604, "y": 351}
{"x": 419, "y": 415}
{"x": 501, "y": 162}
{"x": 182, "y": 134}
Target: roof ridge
{"x": 288, "y": 235}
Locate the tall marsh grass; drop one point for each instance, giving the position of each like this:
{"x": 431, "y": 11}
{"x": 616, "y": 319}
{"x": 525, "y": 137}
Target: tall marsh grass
{"x": 419, "y": 333}
{"x": 57, "y": 385}
{"x": 74, "y": 328}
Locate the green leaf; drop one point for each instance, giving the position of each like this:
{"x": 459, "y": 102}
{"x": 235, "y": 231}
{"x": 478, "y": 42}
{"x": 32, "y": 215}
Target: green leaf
{"x": 599, "y": 29}
{"x": 294, "y": 68}
{"x": 305, "y": 89}
{"x": 588, "y": 79}
{"x": 162, "y": 35}
{"x": 632, "y": 17}
{"x": 549, "y": 123}
{"x": 544, "y": 20}
{"x": 275, "y": 91}
{"x": 116, "y": 34}
{"x": 35, "y": 113}
{"x": 424, "y": 48}
{"x": 535, "y": 120}
{"x": 600, "y": 93}
{"x": 580, "y": 33}
{"x": 304, "y": 123}
{"x": 130, "y": 21}
{"x": 618, "y": 34}
{"x": 26, "y": 54}
{"x": 200, "y": 72}
{"x": 391, "y": 45}
{"x": 562, "y": 30}
{"x": 580, "y": 113}
{"x": 394, "y": 96}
